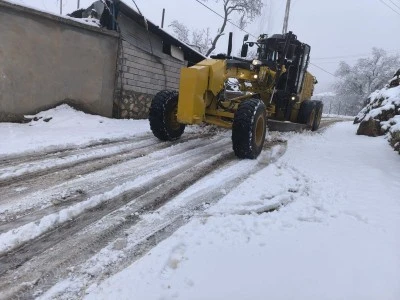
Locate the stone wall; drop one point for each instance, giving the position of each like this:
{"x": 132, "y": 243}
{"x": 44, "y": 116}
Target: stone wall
{"x": 144, "y": 70}
{"x": 46, "y": 59}
{"x": 132, "y": 105}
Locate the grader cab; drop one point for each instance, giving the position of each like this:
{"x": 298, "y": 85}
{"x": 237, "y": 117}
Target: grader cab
{"x": 275, "y": 85}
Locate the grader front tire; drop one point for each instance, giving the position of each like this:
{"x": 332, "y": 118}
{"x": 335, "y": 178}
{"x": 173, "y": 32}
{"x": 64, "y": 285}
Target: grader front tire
{"x": 319, "y": 106}
{"x": 162, "y": 116}
{"x": 249, "y": 129}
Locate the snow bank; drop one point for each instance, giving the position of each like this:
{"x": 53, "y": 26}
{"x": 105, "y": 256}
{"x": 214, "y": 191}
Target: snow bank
{"x": 64, "y": 127}
{"x": 382, "y": 115}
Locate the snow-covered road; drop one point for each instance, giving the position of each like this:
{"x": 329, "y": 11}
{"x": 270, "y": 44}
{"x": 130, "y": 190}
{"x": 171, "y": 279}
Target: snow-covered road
{"x": 110, "y": 212}
{"x": 338, "y": 239}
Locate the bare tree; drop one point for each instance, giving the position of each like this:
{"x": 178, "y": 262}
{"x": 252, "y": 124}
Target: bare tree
{"x": 245, "y": 10}
{"x": 199, "y": 39}
{"x": 357, "y": 82}
{"x": 181, "y": 31}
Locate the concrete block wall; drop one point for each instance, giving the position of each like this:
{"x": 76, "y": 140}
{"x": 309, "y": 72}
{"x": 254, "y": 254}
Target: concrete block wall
{"x": 144, "y": 70}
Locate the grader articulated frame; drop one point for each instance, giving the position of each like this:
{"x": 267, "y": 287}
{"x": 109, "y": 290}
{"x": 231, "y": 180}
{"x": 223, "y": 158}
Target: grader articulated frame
{"x": 276, "y": 85}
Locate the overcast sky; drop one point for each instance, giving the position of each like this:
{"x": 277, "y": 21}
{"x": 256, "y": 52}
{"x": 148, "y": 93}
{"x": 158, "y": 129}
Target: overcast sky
{"x": 335, "y": 29}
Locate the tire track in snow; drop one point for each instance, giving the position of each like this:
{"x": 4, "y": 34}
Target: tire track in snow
{"x": 146, "y": 232}
{"x": 50, "y": 200}
{"x": 56, "y": 151}
{"x": 196, "y": 168}
{"x": 21, "y": 172}
{"x": 326, "y": 123}
{"x": 16, "y": 189}
{"x": 100, "y": 204}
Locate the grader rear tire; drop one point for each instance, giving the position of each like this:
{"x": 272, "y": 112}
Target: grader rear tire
{"x": 249, "y": 128}
{"x": 162, "y": 116}
{"x": 307, "y": 113}
{"x": 319, "y": 106}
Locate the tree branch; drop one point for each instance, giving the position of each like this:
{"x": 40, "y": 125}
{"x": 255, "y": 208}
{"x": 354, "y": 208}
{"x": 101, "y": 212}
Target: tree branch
{"x": 221, "y": 31}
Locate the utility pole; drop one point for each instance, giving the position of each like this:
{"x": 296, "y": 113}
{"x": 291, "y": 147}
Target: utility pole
{"x": 286, "y": 20}
{"x": 78, "y": 5}
{"x": 60, "y": 7}
{"x": 162, "y": 19}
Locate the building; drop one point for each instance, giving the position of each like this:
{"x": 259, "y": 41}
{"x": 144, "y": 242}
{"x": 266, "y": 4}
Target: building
{"x": 47, "y": 59}
{"x": 149, "y": 61}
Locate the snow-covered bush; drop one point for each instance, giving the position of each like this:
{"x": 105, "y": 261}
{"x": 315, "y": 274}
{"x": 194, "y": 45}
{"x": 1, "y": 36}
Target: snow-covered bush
{"x": 381, "y": 116}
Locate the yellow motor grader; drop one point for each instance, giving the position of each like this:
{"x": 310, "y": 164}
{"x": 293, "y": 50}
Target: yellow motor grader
{"x": 240, "y": 94}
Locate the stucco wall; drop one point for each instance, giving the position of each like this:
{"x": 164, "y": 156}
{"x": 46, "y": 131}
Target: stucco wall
{"x": 45, "y": 60}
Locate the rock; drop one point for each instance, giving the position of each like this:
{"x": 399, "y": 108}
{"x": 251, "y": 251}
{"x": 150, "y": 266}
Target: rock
{"x": 13, "y": 118}
{"x": 382, "y": 115}
{"x": 357, "y": 120}
{"x": 124, "y": 114}
{"x": 371, "y": 127}
{"x": 395, "y": 140}
{"x": 387, "y": 114}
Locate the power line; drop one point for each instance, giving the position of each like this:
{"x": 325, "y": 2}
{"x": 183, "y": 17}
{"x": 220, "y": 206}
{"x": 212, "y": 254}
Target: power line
{"x": 394, "y": 4}
{"x": 340, "y": 57}
{"x": 209, "y": 8}
{"x": 384, "y": 3}
{"x": 361, "y": 55}
{"x": 137, "y": 7}
{"x": 322, "y": 69}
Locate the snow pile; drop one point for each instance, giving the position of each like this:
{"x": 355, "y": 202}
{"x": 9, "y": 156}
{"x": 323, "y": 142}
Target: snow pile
{"x": 64, "y": 127}
{"x": 382, "y": 115}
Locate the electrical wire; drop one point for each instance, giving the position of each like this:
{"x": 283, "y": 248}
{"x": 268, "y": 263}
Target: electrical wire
{"x": 384, "y": 3}
{"x": 394, "y": 4}
{"x": 354, "y": 56}
{"x": 209, "y": 8}
{"x": 146, "y": 26}
{"x": 322, "y": 69}
{"x": 44, "y": 4}
{"x": 156, "y": 57}
{"x": 137, "y": 7}
{"x": 218, "y": 14}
